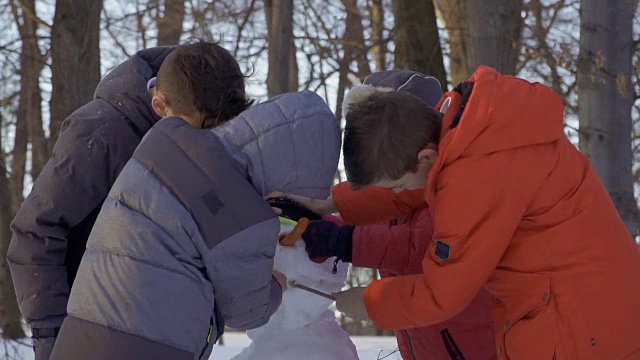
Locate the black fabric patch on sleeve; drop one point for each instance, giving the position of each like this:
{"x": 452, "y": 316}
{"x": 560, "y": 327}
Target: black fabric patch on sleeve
{"x": 443, "y": 251}
{"x": 212, "y": 201}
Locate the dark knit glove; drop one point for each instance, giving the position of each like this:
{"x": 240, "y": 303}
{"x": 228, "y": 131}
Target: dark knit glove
{"x": 324, "y": 239}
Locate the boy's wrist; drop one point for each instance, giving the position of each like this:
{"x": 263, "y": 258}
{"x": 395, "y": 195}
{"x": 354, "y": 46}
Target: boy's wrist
{"x": 330, "y": 206}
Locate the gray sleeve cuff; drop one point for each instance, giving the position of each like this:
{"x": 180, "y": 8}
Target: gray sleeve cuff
{"x": 42, "y": 293}
{"x": 49, "y": 322}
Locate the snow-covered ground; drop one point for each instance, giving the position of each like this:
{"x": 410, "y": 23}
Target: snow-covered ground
{"x": 369, "y": 348}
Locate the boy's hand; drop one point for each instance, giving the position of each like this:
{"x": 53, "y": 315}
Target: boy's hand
{"x": 351, "y": 303}
{"x": 324, "y": 239}
{"x": 321, "y": 207}
{"x": 281, "y": 279}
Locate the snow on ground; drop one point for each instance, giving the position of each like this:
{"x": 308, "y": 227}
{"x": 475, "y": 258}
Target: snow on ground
{"x": 369, "y": 348}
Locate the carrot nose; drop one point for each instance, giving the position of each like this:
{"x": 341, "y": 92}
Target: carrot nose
{"x": 291, "y": 238}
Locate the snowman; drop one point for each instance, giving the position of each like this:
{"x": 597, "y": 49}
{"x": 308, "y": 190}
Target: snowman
{"x": 303, "y": 327}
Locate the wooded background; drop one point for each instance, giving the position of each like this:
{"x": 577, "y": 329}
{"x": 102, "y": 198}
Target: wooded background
{"x": 53, "y": 54}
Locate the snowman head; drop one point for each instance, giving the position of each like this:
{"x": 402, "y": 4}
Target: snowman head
{"x": 300, "y": 307}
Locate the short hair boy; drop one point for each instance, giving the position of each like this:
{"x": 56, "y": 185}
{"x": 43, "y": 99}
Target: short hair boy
{"x": 200, "y": 81}
{"x": 517, "y": 208}
{"x": 185, "y": 241}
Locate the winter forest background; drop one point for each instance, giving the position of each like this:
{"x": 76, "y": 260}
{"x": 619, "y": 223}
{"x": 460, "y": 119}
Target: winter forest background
{"x": 53, "y": 54}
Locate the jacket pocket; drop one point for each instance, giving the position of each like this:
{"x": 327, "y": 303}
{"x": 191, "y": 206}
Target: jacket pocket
{"x": 532, "y": 332}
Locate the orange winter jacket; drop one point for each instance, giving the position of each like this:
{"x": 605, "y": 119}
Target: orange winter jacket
{"x": 397, "y": 248}
{"x": 519, "y": 210}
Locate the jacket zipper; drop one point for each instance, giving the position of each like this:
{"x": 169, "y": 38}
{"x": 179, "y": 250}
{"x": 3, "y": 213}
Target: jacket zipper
{"x": 451, "y": 346}
{"x": 413, "y": 353}
{"x": 209, "y": 335}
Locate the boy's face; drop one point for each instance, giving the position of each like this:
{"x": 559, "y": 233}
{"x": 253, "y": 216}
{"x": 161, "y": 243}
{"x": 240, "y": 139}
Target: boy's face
{"x": 412, "y": 180}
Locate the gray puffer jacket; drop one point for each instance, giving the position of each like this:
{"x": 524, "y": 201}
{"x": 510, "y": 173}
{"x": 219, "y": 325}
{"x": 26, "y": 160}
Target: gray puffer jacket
{"x": 185, "y": 242}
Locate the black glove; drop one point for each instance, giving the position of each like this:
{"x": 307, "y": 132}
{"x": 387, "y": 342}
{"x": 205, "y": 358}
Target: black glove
{"x": 324, "y": 239}
{"x": 43, "y": 347}
{"x": 292, "y": 210}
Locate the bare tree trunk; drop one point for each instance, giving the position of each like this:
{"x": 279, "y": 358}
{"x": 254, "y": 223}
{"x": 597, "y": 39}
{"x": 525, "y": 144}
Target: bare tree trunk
{"x": 494, "y": 35}
{"x": 28, "y": 128}
{"x": 453, "y": 14}
{"x": 29, "y": 115}
{"x": 352, "y": 48}
{"x": 355, "y": 37}
{"x": 293, "y": 67}
{"x": 75, "y": 57}
{"x": 279, "y": 15}
{"x": 39, "y": 142}
{"x": 379, "y": 47}
{"x": 417, "y": 40}
{"x": 482, "y": 33}
{"x": 10, "y": 317}
{"x": 18, "y": 163}
{"x": 605, "y": 98}
{"x": 343, "y": 73}
{"x": 170, "y": 22}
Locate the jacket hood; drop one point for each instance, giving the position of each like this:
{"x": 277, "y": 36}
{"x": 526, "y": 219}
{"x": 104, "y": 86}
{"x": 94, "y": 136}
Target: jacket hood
{"x": 492, "y": 112}
{"x": 426, "y": 87}
{"x": 125, "y": 87}
{"x": 290, "y": 143}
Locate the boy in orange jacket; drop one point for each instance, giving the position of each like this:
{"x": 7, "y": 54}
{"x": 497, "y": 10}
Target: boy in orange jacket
{"x": 397, "y": 246}
{"x": 517, "y": 209}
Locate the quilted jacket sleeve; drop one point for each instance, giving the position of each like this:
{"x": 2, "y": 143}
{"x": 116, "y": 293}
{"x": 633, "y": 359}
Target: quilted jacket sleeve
{"x": 397, "y": 247}
{"x": 72, "y": 186}
{"x": 240, "y": 270}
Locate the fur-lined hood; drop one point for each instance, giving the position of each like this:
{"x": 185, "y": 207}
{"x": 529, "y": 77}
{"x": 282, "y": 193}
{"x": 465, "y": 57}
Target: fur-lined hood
{"x": 425, "y": 87}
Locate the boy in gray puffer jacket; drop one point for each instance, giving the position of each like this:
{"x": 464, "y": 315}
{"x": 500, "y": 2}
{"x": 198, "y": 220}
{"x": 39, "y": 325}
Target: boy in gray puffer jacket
{"x": 51, "y": 229}
{"x": 184, "y": 243}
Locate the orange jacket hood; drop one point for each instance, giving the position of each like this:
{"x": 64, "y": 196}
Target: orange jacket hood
{"x": 492, "y": 110}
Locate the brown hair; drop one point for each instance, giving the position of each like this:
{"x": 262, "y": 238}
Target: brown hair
{"x": 204, "y": 81}
{"x": 383, "y": 135}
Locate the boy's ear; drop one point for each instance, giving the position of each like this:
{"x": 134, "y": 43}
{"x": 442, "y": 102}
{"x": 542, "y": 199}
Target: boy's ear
{"x": 159, "y": 105}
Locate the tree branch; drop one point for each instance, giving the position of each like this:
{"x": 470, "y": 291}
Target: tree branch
{"x": 243, "y": 24}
